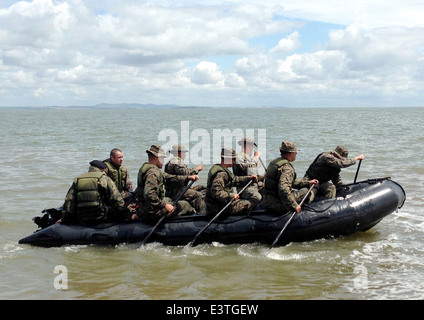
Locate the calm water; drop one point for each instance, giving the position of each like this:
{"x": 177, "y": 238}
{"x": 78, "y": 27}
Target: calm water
{"x": 44, "y": 149}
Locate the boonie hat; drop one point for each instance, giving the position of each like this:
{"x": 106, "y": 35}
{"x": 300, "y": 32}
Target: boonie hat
{"x": 156, "y": 151}
{"x": 342, "y": 151}
{"x": 246, "y": 140}
{"x": 178, "y": 148}
{"x": 99, "y": 164}
{"x": 287, "y": 146}
{"x": 228, "y": 153}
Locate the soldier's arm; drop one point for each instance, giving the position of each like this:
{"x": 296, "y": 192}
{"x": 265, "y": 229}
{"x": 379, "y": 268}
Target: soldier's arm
{"x": 300, "y": 183}
{"x": 150, "y": 191}
{"x": 114, "y": 196}
{"x": 221, "y": 195}
{"x": 180, "y": 169}
{"x": 336, "y": 162}
{"x": 285, "y": 186}
{"x": 175, "y": 177}
{"x": 242, "y": 180}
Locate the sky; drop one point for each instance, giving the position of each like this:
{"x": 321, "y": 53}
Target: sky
{"x": 308, "y": 53}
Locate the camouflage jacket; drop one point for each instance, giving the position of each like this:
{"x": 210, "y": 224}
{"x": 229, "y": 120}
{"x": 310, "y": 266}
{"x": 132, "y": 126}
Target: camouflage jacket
{"x": 247, "y": 165}
{"x": 327, "y": 166}
{"x": 221, "y": 182}
{"x": 120, "y": 176}
{"x": 109, "y": 196}
{"x": 176, "y": 168}
{"x": 281, "y": 180}
{"x": 151, "y": 187}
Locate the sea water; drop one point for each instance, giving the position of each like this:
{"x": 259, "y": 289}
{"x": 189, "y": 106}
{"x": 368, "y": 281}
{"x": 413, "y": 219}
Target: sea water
{"x": 43, "y": 149}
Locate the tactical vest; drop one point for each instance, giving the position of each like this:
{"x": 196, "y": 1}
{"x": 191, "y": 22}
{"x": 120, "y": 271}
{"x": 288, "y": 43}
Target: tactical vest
{"x": 211, "y": 176}
{"x": 273, "y": 174}
{"x": 89, "y": 201}
{"x": 118, "y": 175}
{"x": 142, "y": 174}
{"x": 322, "y": 172}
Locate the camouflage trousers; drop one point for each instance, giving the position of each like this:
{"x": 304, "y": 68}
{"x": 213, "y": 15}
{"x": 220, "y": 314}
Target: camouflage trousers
{"x": 237, "y": 207}
{"x": 182, "y": 208}
{"x": 251, "y": 194}
{"x": 195, "y": 198}
{"x": 280, "y": 207}
{"x": 327, "y": 189}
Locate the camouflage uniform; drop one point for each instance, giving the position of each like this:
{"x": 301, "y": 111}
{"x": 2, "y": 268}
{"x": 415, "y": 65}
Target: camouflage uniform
{"x": 247, "y": 165}
{"x": 173, "y": 187}
{"x": 219, "y": 191}
{"x": 326, "y": 167}
{"x": 280, "y": 182}
{"x": 121, "y": 177}
{"x": 151, "y": 192}
{"x": 93, "y": 199}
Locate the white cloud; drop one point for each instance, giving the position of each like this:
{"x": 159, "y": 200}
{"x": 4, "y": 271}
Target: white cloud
{"x": 287, "y": 44}
{"x": 88, "y": 52}
{"x": 234, "y": 80}
{"x": 207, "y": 73}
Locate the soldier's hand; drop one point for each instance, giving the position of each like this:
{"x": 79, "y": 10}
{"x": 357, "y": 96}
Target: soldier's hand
{"x": 194, "y": 177}
{"x": 199, "y": 168}
{"x": 298, "y": 208}
{"x": 313, "y": 182}
{"x": 236, "y": 196}
{"x": 169, "y": 208}
{"x": 360, "y": 157}
{"x": 254, "y": 178}
{"x": 134, "y": 216}
{"x": 257, "y": 154}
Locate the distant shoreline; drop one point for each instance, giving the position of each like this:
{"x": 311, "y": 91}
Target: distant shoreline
{"x": 171, "y": 106}
{"x": 131, "y": 106}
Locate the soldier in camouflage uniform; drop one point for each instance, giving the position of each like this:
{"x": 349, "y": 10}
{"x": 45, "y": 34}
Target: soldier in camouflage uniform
{"x": 280, "y": 182}
{"x": 174, "y": 187}
{"x": 219, "y": 189}
{"x": 118, "y": 173}
{"x": 247, "y": 165}
{"x": 150, "y": 189}
{"x": 93, "y": 198}
{"x": 327, "y": 166}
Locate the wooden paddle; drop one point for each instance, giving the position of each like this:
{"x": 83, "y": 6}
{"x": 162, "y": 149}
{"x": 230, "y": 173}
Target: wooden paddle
{"x": 291, "y": 217}
{"x": 217, "y": 215}
{"x": 163, "y": 217}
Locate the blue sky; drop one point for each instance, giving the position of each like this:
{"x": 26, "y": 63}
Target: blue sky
{"x": 212, "y": 53}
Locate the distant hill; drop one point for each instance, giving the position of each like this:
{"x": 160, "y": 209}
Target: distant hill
{"x": 132, "y": 106}
{"x": 127, "y": 106}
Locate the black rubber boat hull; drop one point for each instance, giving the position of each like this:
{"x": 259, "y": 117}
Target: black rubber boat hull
{"x": 358, "y": 207}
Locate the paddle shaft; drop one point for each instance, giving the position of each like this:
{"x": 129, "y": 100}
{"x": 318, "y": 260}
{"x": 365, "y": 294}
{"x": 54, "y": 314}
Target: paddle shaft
{"x": 290, "y": 219}
{"x": 357, "y": 171}
{"x": 263, "y": 165}
{"x": 260, "y": 159}
{"x": 217, "y": 215}
{"x": 163, "y": 217}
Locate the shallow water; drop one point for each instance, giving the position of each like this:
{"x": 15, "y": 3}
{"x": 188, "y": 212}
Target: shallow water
{"x": 44, "y": 149}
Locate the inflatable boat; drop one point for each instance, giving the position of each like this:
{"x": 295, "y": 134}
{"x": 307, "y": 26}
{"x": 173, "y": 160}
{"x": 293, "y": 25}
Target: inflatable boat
{"x": 357, "y": 207}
